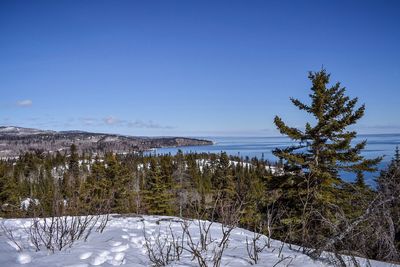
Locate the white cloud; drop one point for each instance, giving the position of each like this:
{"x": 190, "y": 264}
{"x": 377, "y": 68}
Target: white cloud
{"x": 147, "y": 124}
{"x": 24, "y": 103}
{"x": 111, "y": 120}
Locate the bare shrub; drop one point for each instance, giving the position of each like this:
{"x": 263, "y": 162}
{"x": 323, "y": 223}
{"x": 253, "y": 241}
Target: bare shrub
{"x": 196, "y": 238}
{"x": 282, "y": 259}
{"x": 198, "y": 249}
{"x": 256, "y": 246}
{"x": 369, "y": 234}
{"x": 56, "y": 233}
{"x": 9, "y": 233}
{"x": 218, "y": 250}
{"x": 163, "y": 248}
{"x": 206, "y": 249}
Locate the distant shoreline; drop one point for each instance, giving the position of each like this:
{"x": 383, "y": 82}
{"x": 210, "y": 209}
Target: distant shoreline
{"x": 15, "y": 141}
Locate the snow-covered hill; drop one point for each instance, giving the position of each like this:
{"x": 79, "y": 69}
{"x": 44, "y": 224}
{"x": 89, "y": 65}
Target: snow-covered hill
{"x": 123, "y": 242}
{"x": 20, "y": 131}
{"x": 16, "y": 140}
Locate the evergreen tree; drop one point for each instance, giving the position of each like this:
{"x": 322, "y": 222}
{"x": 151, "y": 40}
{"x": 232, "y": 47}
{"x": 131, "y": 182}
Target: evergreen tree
{"x": 123, "y": 190}
{"x": 182, "y": 185}
{"x": 323, "y": 149}
{"x": 9, "y": 191}
{"x": 73, "y": 164}
{"x": 223, "y": 180}
{"x": 158, "y": 198}
{"x": 71, "y": 180}
{"x": 360, "y": 181}
{"x": 396, "y": 159}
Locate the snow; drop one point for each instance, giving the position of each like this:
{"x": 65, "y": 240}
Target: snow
{"x": 24, "y": 205}
{"x": 12, "y": 130}
{"x": 141, "y": 166}
{"x": 85, "y": 255}
{"x": 205, "y": 162}
{"x": 24, "y": 258}
{"x": 123, "y": 244}
{"x": 7, "y": 129}
{"x": 111, "y": 139}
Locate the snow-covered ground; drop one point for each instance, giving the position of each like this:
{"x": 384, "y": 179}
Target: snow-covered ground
{"x": 123, "y": 243}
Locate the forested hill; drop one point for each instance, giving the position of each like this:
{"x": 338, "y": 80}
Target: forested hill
{"x": 17, "y": 140}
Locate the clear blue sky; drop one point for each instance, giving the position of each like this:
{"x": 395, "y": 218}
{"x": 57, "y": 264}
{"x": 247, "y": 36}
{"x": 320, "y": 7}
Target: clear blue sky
{"x": 192, "y": 67}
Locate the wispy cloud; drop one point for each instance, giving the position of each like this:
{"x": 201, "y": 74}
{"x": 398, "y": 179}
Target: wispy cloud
{"x": 376, "y": 128}
{"x": 111, "y": 120}
{"x": 88, "y": 121}
{"x": 147, "y": 124}
{"x": 381, "y": 126}
{"x": 85, "y": 123}
{"x": 24, "y": 103}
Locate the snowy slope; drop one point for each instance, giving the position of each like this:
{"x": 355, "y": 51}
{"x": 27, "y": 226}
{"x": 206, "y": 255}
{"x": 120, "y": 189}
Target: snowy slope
{"x": 122, "y": 243}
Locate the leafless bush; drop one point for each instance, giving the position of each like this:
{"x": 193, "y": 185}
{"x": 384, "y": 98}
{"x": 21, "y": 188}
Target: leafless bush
{"x": 206, "y": 249}
{"x": 255, "y": 246}
{"x": 282, "y": 259}
{"x": 104, "y": 219}
{"x": 218, "y": 250}
{"x": 56, "y": 233}
{"x": 273, "y": 215}
{"x": 163, "y": 248}
{"x": 370, "y": 234}
{"x": 177, "y": 243}
{"x": 198, "y": 249}
{"x": 9, "y": 233}
{"x": 59, "y": 230}
{"x": 196, "y": 236}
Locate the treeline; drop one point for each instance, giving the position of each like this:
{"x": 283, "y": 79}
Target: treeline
{"x": 164, "y": 185}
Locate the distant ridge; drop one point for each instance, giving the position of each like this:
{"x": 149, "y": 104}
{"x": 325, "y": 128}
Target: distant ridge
{"x": 13, "y": 130}
{"x": 15, "y": 140}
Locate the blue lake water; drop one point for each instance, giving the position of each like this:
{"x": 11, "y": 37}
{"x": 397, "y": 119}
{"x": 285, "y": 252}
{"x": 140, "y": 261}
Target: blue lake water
{"x": 377, "y": 145}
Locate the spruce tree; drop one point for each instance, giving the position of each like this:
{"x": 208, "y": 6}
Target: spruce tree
{"x": 71, "y": 181}
{"x": 158, "y": 198}
{"x": 123, "y": 190}
{"x": 9, "y": 191}
{"x": 223, "y": 180}
{"x": 73, "y": 164}
{"x": 325, "y": 148}
{"x": 396, "y": 159}
{"x": 360, "y": 181}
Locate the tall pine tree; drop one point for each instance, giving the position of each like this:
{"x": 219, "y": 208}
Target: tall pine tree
{"x": 323, "y": 148}
{"x": 158, "y": 198}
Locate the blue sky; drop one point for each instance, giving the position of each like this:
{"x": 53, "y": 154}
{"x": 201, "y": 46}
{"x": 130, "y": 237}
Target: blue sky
{"x": 193, "y": 68}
